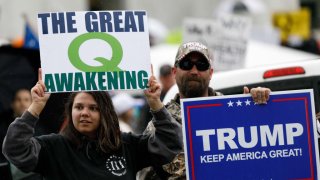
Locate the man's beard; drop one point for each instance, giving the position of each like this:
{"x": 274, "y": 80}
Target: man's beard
{"x": 192, "y": 86}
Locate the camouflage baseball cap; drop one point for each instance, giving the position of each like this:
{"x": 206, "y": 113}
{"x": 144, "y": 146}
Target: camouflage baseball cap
{"x": 189, "y": 47}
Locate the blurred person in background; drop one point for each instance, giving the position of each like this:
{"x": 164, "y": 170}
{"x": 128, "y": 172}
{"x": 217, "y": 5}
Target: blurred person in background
{"x": 124, "y": 106}
{"x": 193, "y": 71}
{"x": 143, "y": 117}
{"x": 21, "y": 101}
{"x": 166, "y": 78}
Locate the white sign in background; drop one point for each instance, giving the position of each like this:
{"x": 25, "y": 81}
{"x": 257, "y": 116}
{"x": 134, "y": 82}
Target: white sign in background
{"x": 131, "y": 32}
{"x": 225, "y": 35}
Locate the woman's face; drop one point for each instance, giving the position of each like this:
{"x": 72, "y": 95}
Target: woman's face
{"x": 86, "y": 114}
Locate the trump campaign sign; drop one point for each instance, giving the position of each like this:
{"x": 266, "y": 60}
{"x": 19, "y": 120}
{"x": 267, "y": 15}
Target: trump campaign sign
{"x": 231, "y": 137}
{"x": 94, "y": 50}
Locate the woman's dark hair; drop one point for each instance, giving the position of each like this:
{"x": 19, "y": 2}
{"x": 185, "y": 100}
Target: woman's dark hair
{"x": 108, "y": 133}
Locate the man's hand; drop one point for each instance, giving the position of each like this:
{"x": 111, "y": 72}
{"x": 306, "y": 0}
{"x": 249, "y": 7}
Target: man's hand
{"x": 260, "y": 95}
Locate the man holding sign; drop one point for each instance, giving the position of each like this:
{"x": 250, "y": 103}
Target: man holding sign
{"x": 232, "y": 134}
{"x": 193, "y": 71}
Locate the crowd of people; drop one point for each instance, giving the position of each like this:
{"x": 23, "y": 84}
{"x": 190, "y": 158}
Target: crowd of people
{"x": 98, "y": 142}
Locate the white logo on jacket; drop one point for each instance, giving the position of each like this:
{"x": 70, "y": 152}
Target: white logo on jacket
{"x": 116, "y": 165}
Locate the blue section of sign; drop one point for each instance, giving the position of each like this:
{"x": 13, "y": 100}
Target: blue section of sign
{"x": 232, "y": 138}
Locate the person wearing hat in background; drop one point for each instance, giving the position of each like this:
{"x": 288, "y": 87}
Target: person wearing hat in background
{"x": 193, "y": 71}
{"x": 124, "y": 106}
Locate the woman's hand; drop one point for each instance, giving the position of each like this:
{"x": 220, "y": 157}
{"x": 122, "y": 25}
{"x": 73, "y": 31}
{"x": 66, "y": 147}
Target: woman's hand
{"x": 153, "y": 93}
{"x": 39, "y": 97}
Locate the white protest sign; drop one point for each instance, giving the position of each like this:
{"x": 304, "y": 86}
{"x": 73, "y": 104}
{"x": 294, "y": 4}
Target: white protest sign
{"x": 94, "y": 50}
{"x": 225, "y": 35}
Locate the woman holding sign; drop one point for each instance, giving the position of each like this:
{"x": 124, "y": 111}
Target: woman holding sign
{"x": 91, "y": 146}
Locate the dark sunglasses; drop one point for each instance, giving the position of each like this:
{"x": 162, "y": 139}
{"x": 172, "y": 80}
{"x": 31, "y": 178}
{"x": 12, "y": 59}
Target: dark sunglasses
{"x": 186, "y": 64}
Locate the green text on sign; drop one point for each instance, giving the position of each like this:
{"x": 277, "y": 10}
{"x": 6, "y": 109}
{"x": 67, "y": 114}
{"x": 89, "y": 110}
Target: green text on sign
{"x": 96, "y": 81}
